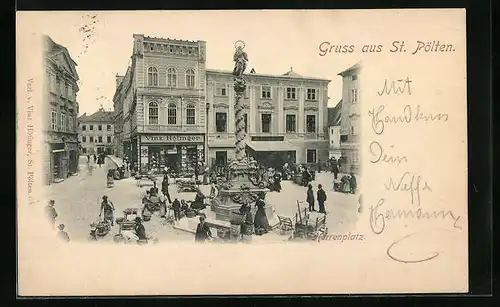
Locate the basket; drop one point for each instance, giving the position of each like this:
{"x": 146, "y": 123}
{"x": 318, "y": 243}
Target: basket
{"x": 222, "y": 233}
{"x": 247, "y": 229}
{"x": 235, "y": 230}
{"x": 190, "y": 214}
{"x": 130, "y": 211}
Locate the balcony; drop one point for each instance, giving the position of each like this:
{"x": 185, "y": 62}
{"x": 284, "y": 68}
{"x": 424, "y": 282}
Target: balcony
{"x": 172, "y": 128}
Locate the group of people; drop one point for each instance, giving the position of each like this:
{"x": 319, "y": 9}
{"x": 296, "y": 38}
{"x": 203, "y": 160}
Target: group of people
{"x": 320, "y": 197}
{"x": 52, "y": 215}
{"x": 347, "y": 184}
{"x": 108, "y": 208}
{"x": 96, "y": 159}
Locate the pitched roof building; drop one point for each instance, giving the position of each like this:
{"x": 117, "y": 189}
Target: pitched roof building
{"x": 96, "y": 132}
{"x": 60, "y": 110}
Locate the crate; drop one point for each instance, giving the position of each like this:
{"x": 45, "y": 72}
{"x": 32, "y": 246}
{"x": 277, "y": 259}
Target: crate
{"x": 127, "y": 225}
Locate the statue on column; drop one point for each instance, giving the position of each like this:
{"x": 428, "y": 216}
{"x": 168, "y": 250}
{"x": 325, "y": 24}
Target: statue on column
{"x": 240, "y": 58}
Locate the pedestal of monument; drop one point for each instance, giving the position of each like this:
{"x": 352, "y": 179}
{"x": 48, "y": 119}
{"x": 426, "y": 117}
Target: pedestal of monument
{"x": 240, "y": 191}
{"x": 224, "y": 204}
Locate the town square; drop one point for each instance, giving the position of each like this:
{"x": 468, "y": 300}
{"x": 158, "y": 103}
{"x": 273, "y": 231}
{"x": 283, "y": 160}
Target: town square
{"x": 192, "y": 153}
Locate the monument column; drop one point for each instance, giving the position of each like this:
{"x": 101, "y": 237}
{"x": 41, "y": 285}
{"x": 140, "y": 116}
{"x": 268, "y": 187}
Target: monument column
{"x": 242, "y": 186}
{"x": 231, "y": 115}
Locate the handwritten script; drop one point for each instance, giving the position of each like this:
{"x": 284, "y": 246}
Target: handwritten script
{"x": 410, "y": 183}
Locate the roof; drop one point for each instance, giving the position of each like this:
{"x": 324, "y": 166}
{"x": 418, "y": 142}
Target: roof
{"x": 284, "y": 76}
{"x": 292, "y": 74}
{"x": 52, "y": 48}
{"x": 53, "y": 52}
{"x": 354, "y": 68}
{"x": 272, "y": 146}
{"x": 100, "y": 116}
{"x": 335, "y": 114}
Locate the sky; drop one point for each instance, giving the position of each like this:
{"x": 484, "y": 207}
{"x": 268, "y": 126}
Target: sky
{"x": 101, "y": 43}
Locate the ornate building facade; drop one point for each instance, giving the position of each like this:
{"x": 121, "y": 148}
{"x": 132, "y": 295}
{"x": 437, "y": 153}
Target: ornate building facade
{"x": 350, "y": 119}
{"x": 60, "y": 112}
{"x": 285, "y": 115}
{"x": 160, "y": 104}
{"x": 96, "y": 133}
{"x": 172, "y": 111}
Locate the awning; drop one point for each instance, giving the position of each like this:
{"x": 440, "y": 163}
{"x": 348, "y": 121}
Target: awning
{"x": 271, "y": 146}
{"x": 117, "y": 161}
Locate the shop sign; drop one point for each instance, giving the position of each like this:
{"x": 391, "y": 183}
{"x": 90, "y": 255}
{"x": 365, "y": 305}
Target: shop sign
{"x": 172, "y": 138}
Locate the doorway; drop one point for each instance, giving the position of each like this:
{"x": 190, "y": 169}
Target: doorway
{"x": 311, "y": 156}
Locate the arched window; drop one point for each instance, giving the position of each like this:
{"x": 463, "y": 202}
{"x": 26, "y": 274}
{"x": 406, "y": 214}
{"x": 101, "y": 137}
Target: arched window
{"x": 190, "y": 78}
{"x": 171, "y": 77}
{"x": 172, "y": 114}
{"x": 152, "y": 76}
{"x": 190, "y": 115}
{"x": 153, "y": 113}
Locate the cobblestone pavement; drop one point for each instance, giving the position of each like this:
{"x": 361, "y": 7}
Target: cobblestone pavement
{"x": 77, "y": 201}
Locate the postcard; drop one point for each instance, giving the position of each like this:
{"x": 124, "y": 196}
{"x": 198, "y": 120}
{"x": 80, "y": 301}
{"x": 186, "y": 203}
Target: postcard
{"x": 241, "y": 152}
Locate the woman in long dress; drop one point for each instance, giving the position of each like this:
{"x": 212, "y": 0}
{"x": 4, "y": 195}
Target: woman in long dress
{"x": 261, "y": 223}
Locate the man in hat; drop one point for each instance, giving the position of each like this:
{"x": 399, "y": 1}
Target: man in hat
{"x": 202, "y": 230}
{"x": 321, "y": 197}
{"x": 63, "y": 234}
{"x": 51, "y": 213}
{"x": 140, "y": 231}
